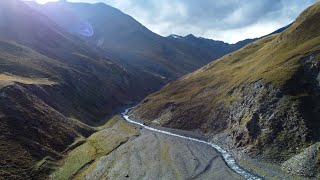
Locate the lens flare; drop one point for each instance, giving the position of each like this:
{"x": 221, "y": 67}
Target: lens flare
{"x": 86, "y": 29}
{"x": 45, "y": 1}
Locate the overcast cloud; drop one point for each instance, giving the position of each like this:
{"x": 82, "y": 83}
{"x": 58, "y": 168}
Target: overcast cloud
{"x": 227, "y": 20}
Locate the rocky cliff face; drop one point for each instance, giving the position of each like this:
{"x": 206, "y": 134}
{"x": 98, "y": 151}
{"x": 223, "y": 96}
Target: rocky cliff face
{"x": 305, "y": 163}
{"x": 262, "y": 99}
{"x": 277, "y": 122}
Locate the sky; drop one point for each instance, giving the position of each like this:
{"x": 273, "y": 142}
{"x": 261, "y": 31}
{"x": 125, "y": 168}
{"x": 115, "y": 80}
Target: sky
{"x": 226, "y": 20}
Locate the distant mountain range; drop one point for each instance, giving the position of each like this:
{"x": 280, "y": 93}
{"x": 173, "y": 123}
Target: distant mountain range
{"x": 216, "y": 49}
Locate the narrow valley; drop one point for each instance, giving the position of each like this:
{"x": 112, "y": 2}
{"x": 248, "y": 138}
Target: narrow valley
{"x": 218, "y": 89}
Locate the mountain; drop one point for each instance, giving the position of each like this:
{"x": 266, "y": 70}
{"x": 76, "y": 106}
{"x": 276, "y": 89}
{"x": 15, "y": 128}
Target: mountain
{"x": 216, "y": 49}
{"x": 125, "y": 39}
{"x": 262, "y": 100}
{"x": 54, "y": 87}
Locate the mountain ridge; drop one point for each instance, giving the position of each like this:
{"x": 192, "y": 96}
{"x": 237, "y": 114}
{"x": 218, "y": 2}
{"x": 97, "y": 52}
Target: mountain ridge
{"x": 217, "y": 48}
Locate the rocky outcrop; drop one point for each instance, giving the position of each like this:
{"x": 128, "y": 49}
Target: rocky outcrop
{"x": 285, "y": 123}
{"x": 305, "y": 163}
{"x": 265, "y": 120}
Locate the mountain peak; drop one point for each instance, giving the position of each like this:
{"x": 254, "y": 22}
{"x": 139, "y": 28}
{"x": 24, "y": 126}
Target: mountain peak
{"x": 175, "y": 36}
{"x": 190, "y": 36}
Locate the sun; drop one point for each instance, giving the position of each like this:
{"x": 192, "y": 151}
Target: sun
{"x": 44, "y": 1}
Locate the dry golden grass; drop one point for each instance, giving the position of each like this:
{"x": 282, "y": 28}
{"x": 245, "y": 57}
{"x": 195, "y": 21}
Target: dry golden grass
{"x": 25, "y": 80}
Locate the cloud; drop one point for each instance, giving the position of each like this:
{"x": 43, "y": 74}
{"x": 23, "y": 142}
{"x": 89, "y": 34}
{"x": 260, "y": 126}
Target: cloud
{"x": 227, "y": 20}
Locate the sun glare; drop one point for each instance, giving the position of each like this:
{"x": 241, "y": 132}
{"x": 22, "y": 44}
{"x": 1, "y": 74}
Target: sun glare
{"x": 44, "y": 1}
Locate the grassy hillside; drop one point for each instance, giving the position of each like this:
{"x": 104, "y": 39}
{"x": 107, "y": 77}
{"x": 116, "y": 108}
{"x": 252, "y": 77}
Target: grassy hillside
{"x": 54, "y": 88}
{"x": 263, "y": 99}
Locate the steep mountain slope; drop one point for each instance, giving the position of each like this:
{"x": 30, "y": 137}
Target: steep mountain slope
{"x": 52, "y": 86}
{"x": 263, "y": 99}
{"x": 126, "y": 39}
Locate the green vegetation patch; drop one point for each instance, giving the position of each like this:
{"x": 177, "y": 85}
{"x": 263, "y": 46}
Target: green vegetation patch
{"x": 115, "y": 133}
{"x": 165, "y": 152}
{"x": 245, "y": 120}
{"x": 75, "y": 160}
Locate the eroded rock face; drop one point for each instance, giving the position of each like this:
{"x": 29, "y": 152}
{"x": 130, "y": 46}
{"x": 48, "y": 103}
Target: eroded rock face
{"x": 260, "y": 116}
{"x": 305, "y": 163}
{"x": 277, "y": 122}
